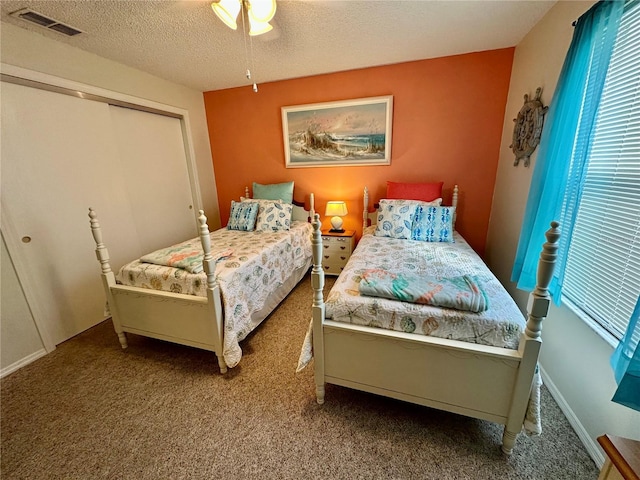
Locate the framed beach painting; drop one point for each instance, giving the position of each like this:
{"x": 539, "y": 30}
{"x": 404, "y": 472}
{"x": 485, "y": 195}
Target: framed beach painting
{"x": 332, "y": 134}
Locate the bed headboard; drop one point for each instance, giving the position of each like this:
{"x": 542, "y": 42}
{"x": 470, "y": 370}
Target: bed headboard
{"x": 299, "y": 213}
{"x": 370, "y": 218}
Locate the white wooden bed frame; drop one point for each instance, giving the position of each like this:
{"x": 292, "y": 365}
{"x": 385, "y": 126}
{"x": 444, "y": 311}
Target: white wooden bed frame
{"x": 485, "y": 382}
{"x": 183, "y": 319}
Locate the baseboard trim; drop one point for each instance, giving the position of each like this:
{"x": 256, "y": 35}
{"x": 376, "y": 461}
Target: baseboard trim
{"x": 589, "y": 443}
{"x": 22, "y": 362}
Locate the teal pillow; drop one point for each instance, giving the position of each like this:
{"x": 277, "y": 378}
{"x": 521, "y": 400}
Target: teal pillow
{"x": 243, "y": 216}
{"x": 274, "y": 191}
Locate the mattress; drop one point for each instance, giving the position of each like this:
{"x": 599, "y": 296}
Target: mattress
{"x": 500, "y": 325}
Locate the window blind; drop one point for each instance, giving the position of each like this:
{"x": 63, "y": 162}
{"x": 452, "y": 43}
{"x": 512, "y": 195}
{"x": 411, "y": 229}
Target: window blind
{"x": 602, "y": 276}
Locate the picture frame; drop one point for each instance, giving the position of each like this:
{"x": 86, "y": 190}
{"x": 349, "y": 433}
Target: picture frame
{"x": 338, "y": 134}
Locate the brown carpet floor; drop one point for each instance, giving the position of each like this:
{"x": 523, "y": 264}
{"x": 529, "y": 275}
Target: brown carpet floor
{"x": 90, "y": 410}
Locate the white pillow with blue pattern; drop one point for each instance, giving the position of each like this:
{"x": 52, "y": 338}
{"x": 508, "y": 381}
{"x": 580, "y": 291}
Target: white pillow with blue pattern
{"x": 433, "y": 224}
{"x": 243, "y": 216}
{"x": 273, "y": 215}
{"x": 396, "y": 217}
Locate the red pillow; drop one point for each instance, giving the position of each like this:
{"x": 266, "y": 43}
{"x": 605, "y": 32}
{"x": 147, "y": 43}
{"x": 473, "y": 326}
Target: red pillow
{"x": 425, "y": 192}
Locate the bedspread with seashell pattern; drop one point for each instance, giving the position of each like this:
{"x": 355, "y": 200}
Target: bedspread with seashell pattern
{"x": 259, "y": 263}
{"x": 500, "y": 325}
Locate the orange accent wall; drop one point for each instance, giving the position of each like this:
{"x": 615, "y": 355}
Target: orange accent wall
{"x": 448, "y": 116}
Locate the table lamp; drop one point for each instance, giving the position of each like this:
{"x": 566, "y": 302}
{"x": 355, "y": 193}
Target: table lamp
{"x": 336, "y": 209}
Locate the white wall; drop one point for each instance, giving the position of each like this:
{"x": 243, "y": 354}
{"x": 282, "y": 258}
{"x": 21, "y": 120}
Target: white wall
{"x": 574, "y": 359}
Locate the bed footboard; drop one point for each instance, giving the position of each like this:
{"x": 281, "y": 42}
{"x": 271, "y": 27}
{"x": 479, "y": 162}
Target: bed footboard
{"x": 480, "y": 381}
{"x": 183, "y": 319}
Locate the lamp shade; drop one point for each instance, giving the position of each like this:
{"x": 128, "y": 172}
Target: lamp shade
{"x": 227, "y": 11}
{"x": 258, "y": 28}
{"x": 262, "y": 10}
{"x": 336, "y": 209}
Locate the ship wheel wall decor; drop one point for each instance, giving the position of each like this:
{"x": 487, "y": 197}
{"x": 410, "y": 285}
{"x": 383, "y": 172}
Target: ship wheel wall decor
{"x": 528, "y": 128}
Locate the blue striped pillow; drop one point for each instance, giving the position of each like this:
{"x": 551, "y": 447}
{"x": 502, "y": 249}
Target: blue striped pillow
{"x": 433, "y": 224}
{"x": 243, "y": 216}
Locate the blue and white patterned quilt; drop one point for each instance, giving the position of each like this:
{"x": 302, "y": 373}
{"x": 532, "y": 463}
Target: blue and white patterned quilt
{"x": 499, "y": 325}
{"x": 260, "y": 261}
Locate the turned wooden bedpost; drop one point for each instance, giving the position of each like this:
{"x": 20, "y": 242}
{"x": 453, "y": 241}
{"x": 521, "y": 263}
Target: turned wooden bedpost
{"x": 539, "y": 300}
{"x": 317, "y": 283}
{"x": 246, "y": 192}
{"x": 454, "y": 203}
{"x": 365, "y": 209}
{"x": 312, "y": 206}
{"x": 108, "y": 278}
{"x": 530, "y": 341}
{"x": 213, "y": 289}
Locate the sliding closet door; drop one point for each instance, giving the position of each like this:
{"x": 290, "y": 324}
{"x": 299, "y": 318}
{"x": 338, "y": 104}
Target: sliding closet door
{"x": 154, "y": 165}
{"x": 59, "y": 158}
{"x": 61, "y": 155}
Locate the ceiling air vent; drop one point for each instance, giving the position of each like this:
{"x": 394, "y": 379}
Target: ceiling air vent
{"x": 46, "y": 22}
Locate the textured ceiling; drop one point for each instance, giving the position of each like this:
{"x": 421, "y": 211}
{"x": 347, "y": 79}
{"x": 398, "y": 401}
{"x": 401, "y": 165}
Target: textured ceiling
{"x": 184, "y": 42}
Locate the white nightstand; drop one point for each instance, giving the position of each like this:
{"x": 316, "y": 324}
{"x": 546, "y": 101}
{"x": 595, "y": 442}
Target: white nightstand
{"x": 336, "y": 250}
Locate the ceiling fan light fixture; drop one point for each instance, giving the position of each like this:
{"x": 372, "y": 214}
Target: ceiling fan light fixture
{"x": 257, "y": 12}
{"x": 258, "y": 28}
{"x": 227, "y": 11}
{"x": 262, "y": 11}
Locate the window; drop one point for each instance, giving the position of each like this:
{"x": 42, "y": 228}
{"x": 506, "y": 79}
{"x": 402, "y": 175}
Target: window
{"x": 602, "y": 277}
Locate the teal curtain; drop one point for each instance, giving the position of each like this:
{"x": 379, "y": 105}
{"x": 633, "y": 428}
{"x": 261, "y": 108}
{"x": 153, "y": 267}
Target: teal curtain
{"x": 626, "y": 364}
{"x": 564, "y": 146}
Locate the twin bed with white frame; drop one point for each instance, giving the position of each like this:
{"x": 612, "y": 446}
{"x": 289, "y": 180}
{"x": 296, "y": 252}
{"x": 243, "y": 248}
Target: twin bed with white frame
{"x": 197, "y": 318}
{"x": 474, "y": 379}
